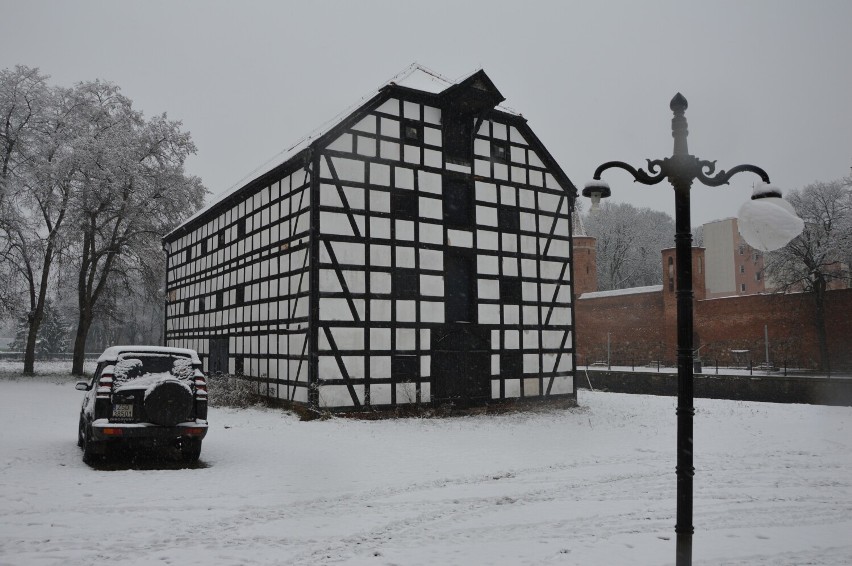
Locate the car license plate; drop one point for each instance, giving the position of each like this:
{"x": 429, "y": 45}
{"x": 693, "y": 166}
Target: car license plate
{"x": 122, "y": 411}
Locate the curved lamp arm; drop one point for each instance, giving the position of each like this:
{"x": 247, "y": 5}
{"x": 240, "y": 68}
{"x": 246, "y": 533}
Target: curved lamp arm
{"x": 655, "y": 167}
{"x": 723, "y": 177}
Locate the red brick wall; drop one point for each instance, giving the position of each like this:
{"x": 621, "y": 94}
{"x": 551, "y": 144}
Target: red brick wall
{"x": 639, "y": 323}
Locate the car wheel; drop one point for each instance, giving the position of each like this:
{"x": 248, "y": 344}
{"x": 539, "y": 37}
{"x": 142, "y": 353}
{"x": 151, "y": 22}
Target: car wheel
{"x": 88, "y": 444}
{"x": 190, "y": 449}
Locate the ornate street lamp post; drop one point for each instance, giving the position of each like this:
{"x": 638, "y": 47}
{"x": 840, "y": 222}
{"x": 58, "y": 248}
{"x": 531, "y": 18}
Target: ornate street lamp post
{"x": 681, "y": 169}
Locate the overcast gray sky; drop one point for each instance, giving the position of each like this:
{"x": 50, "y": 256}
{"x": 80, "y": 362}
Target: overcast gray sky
{"x": 768, "y": 82}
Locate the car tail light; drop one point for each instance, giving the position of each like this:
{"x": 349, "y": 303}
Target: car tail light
{"x": 200, "y": 386}
{"x": 105, "y": 383}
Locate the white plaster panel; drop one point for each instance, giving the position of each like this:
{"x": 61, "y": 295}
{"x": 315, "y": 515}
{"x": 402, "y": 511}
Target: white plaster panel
{"x": 495, "y": 364}
{"x": 368, "y": 125}
{"x": 406, "y": 311}
{"x": 432, "y": 136}
{"x": 501, "y": 171}
{"x": 431, "y": 285}
{"x": 512, "y": 388}
{"x": 459, "y": 168}
{"x": 463, "y": 238}
{"x": 406, "y": 393}
{"x": 380, "y": 310}
{"x": 531, "y": 315}
{"x": 510, "y": 243}
{"x": 562, "y": 385}
{"x": 380, "y": 340}
{"x": 536, "y": 178}
{"x": 482, "y": 147}
{"x": 380, "y": 227}
{"x": 404, "y": 256}
{"x": 366, "y": 146}
{"x": 551, "y": 338}
{"x": 529, "y": 291}
{"x": 411, "y": 154}
{"x": 432, "y": 158}
{"x": 328, "y": 281}
{"x": 390, "y": 128}
{"x": 405, "y": 337}
{"x": 379, "y": 174}
{"x": 348, "y": 252}
{"x": 561, "y": 315}
{"x": 489, "y": 314}
{"x": 530, "y": 338}
{"x": 516, "y": 136}
{"x": 425, "y": 364}
{"x": 338, "y": 395}
{"x": 548, "y": 202}
{"x": 429, "y": 182}
{"x": 559, "y": 248}
{"x": 518, "y": 154}
{"x": 389, "y": 150}
{"x": 532, "y": 387}
{"x": 335, "y": 223}
{"x": 390, "y": 106}
{"x": 486, "y": 216}
{"x": 510, "y": 266}
{"x": 431, "y": 115}
{"x": 495, "y": 388}
{"x": 338, "y": 309}
{"x": 380, "y": 282}
{"x": 404, "y": 230}
{"x": 488, "y": 289}
{"x": 380, "y": 255}
{"x": 431, "y": 312}
{"x": 534, "y": 160}
{"x": 481, "y": 168}
{"x": 380, "y": 393}
{"x": 550, "y": 269}
{"x": 431, "y": 233}
{"x": 349, "y": 169}
{"x": 355, "y": 280}
{"x": 328, "y": 368}
{"x": 355, "y": 197}
{"x": 379, "y": 201}
{"x": 550, "y": 181}
{"x": 511, "y": 314}
{"x": 531, "y": 363}
{"x": 431, "y": 259}
{"x": 527, "y": 221}
{"x": 431, "y": 208}
{"x": 411, "y": 110}
{"x": 499, "y": 131}
{"x": 511, "y": 339}
{"x": 486, "y": 264}
{"x": 486, "y": 240}
{"x": 404, "y": 178}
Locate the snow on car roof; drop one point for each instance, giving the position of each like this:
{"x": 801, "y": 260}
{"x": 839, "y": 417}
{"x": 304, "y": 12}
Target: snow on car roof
{"x": 112, "y": 353}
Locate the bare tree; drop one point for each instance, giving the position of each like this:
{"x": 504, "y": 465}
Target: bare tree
{"x": 134, "y": 191}
{"x": 817, "y": 260}
{"x": 629, "y": 241}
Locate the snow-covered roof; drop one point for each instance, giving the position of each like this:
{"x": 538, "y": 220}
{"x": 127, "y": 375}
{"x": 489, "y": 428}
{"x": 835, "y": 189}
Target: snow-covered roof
{"x": 620, "y": 292}
{"x": 415, "y": 76}
{"x": 112, "y": 353}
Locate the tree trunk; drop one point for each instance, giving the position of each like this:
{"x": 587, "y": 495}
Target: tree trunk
{"x": 33, "y": 321}
{"x": 79, "y": 359}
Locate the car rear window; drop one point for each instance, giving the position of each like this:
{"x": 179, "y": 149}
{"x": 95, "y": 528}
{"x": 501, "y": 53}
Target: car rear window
{"x": 132, "y": 365}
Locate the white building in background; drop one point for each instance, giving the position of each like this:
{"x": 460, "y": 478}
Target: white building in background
{"x": 417, "y": 250}
{"x": 732, "y": 266}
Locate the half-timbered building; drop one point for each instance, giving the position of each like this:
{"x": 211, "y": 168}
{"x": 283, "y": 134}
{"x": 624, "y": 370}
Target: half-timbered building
{"x": 417, "y": 250}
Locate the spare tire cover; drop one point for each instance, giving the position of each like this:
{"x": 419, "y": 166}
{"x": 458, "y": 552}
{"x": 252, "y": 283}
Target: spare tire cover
{"x": 168, "y": 404}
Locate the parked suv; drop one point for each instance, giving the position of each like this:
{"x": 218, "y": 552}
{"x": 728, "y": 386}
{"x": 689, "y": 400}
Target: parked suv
{"x": 144, "y": 396}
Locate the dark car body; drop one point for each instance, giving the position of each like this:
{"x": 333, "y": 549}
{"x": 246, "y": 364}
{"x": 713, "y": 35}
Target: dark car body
{"x": 144, "y": 397}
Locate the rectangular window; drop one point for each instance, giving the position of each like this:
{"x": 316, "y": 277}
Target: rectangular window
{"x": 511, "y": 364}
{"x": 220, "y": 237}
{"x": 742, "y": 287}
{"x": 458, "y": 138}
{"x": 412, "y": 132}
{"x": 758, "y": 276}
{"x": 742, "y": 249}
{"x": 404, "y": 204}
{"x": 509, "y": 218}
{"x": 742, "y": 269}
{"x": 189, "y": 254}
{"x": 510, "y": 290}
{"x": 404, "y": 283}
{"x": 499, "y": 151}
{"x": 403, "y": 368}
{"x": 458, "y": 202}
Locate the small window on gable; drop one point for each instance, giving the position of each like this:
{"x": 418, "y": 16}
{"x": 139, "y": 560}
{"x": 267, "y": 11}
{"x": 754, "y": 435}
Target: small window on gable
{"x": 742, "y": 287}
{"x": 404, "y": 284}
{"x": 509, "y": 218}
{"x": 458, "y": 138}
{"x": 403, "y": 368}
{"x": 404, "y": 204}
{"x": 671, "y": 274}
{"x": 742, "y": 249}
{"x": 511, "y": 364}
{"x": 412, "y": 132}
{"x": 458, "y": 202}
{"x": 510, "y": 290}
{"x": 499, "y": 151}
{"x": 758, "y": 276}
{"x": 742, "y": 269}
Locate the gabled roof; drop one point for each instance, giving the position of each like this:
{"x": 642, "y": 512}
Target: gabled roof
{"x": 475, "y": 90}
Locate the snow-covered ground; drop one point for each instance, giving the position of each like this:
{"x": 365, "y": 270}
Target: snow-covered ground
{"x": 593, "y": 485}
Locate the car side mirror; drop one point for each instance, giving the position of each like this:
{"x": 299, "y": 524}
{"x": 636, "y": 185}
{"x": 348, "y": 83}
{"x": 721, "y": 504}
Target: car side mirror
{"x": 82, "y": 386}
